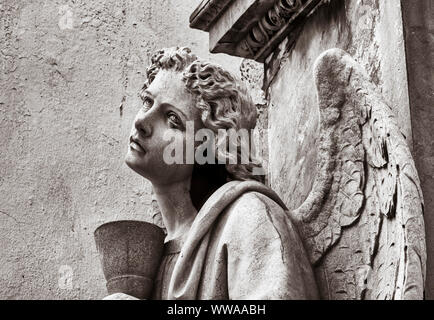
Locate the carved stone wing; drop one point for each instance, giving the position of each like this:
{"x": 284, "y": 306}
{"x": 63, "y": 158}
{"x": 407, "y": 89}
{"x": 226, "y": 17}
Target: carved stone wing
{"x": 362, "y": 224}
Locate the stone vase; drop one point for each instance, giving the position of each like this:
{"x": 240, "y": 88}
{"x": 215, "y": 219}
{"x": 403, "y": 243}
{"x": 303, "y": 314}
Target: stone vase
{"x": 130, "y": 254}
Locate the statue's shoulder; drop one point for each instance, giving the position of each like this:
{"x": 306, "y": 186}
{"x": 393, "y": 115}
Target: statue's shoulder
{"x": 254, "y": 215}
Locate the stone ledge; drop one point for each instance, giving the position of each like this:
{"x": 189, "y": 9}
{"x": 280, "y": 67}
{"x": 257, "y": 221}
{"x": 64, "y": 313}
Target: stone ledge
{"x": 205, "y": 14}
{"x": 250, "y": 28}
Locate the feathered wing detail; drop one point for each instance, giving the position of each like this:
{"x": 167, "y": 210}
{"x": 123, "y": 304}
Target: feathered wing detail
{"x": 362, "y": 223}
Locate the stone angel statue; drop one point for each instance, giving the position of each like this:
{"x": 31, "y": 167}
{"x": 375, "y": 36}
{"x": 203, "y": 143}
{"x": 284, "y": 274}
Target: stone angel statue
{"x": 358, "y": 235}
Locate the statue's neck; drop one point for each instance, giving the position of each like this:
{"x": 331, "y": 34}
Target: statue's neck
{"x": 177, "y": 209}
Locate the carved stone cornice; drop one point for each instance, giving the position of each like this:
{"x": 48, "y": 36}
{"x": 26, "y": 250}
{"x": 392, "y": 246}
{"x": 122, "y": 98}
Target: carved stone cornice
{"x": 250, "y": 28}
{"x": 205, "y": 14}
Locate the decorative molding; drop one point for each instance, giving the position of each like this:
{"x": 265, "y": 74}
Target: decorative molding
{"x": 250, "y": 28}
{"x": 205, "y": 14}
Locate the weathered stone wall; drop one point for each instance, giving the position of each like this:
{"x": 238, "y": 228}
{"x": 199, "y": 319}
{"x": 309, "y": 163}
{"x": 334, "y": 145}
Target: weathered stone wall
{"x": 419, "y": 39}
{"x": 69, "y": 76}
{"x": 371, "y": 31}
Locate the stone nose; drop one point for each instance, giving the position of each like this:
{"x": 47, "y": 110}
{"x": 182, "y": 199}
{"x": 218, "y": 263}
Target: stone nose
{"x": 143, "y": 123}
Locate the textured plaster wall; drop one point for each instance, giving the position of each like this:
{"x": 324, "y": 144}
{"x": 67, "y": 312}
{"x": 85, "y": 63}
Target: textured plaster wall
{"x": 370, "y": 30}
{"x": 69, "y": 76}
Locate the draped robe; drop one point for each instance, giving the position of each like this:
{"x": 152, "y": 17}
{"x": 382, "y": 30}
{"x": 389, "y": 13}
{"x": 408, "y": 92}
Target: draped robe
{"x": 241, "y": 245}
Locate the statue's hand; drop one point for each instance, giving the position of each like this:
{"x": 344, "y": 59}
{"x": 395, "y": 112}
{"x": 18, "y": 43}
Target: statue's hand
{"x": 120, "y": 296}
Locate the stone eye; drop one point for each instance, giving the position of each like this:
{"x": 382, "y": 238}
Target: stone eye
{"x": 147, "y": 102}
{"x": 174, "y": 119}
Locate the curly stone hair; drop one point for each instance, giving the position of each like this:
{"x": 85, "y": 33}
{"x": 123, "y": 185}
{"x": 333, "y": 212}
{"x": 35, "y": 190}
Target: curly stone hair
{"x": 223, "y": 100}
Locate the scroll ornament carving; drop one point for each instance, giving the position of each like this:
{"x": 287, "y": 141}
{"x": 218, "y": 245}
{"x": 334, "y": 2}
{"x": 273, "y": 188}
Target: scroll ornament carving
{"x": 362, "y": 224}
{"x": 273, "y": 20}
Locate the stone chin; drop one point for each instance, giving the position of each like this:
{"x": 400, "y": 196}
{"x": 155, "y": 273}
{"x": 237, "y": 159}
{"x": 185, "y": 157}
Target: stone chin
{"x": 135, "y": 161}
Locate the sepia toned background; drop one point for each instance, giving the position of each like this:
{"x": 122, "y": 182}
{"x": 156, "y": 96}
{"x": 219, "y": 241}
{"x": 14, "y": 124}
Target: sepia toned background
{"x": 70, "y": 72}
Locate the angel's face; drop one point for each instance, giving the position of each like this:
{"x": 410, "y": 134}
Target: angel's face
{"x": 167, "y": 107}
